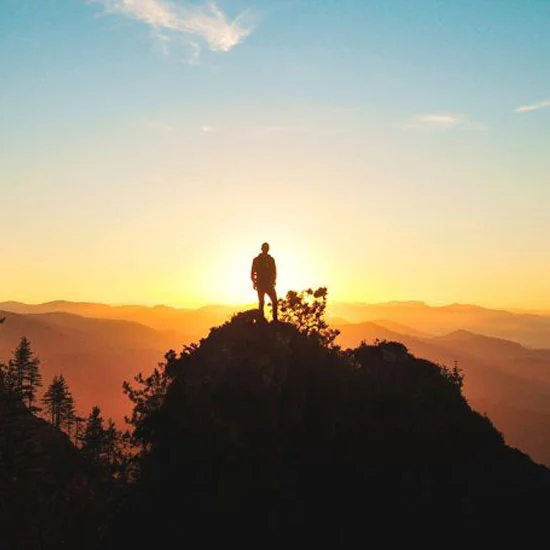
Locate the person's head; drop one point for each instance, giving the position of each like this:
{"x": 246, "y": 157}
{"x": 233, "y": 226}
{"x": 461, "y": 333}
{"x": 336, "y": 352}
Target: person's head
{"x": 265, "y": 248}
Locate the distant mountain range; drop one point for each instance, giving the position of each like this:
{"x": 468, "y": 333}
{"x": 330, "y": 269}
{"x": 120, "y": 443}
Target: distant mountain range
{"x": 194, "y": 322}
{"x": 505, "y": 355}
{"x": 529, "y": 329}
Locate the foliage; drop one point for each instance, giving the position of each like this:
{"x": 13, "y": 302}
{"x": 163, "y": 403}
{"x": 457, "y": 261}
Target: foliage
{"x": 147, "y": 398}
{"x": 59, "y": 404}
{"x": 22, "y": 376}
{"x": 92, "y": 442}
{"x": 306, "y": 311}
{"x": 103, "y": 445}
{"x": 115, "y": 454}
{"x": 75, "y": 429}
{"x": 454, "y": 375}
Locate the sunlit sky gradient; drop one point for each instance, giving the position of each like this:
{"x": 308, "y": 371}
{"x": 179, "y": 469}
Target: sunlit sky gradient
{"x": 390, "y": 149}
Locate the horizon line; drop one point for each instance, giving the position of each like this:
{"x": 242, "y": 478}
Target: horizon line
{"x": 510, "y": 309}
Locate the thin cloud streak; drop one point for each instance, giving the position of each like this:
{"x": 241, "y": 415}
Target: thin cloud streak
{"x": 533, "y": 107}
{"x": 434, "y": 122}
{"x": 169, "y": 20}
{"x": 441, "y": 122}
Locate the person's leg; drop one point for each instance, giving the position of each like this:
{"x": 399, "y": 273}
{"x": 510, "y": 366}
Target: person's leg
{"x": 272, "y": 293}
{"x": 261, "y": 300}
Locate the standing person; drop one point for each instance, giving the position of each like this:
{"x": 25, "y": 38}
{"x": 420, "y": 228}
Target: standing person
{"x": 264, "y": 278}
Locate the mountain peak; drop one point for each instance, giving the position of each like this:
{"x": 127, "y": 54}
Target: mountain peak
{"x": 271, "y": 429}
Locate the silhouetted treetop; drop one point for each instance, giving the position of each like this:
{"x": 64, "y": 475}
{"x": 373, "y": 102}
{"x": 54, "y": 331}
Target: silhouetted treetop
{"x": 59, "y": 404}
{"x": 306, "y": 311}
{"x": 22, "y": 374}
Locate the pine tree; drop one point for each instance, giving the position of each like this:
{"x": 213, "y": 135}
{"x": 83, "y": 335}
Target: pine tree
{"x": 104, "y": 446}
{"x": 93, "y": 440}
{"x": 9, "y": 377}
{"x": 78, "y": 430}
{"x": 110, "y": 446}
{"x": 75, "y": 429}
{"x": 59, "y": 404}
{"x": 23, "y": 374}
{"x": 116, "y": 454}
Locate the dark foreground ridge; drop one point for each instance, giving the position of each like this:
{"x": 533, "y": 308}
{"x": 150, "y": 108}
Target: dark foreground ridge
{"x": 50, "y": 497}
{"x": 268, "y": 437}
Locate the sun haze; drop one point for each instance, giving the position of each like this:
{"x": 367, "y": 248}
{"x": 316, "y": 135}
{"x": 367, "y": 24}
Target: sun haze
{"x": 148, "y": 148}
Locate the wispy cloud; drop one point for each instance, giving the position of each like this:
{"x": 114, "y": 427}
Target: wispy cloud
{"x": 182, "y": 20}
{"x": 533, "y": 106}
{"x": 441, "y": 122}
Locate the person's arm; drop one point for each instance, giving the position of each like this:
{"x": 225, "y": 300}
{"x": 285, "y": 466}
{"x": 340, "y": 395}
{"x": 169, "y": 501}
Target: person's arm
{"x": 274, "y": 273}
{"x": 253, "y": 273}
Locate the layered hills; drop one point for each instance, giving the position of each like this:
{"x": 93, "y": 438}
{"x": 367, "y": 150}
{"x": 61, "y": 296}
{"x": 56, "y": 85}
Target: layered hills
{"x": 95, "y": 355}
{"x": 529, "y": 329}
{"x": 97, "y": 346}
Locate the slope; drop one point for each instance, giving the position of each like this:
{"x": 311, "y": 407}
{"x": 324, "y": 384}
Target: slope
{"x": 508, "y": 381}
{"x": 267, "y": 437}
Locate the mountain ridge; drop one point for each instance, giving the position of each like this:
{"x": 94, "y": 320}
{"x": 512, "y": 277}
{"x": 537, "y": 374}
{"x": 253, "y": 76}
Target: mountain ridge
{"x": 271, "y": 436}
{"x": 97, "y": 355}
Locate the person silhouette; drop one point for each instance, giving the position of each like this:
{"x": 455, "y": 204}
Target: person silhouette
{"x": 264, "y": 279}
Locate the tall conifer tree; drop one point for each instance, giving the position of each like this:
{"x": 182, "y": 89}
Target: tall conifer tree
{"x": 93, "y": 440}
{"x": 23, "y": 374}
{"x": 103, "y": 444}
{"x": 59, "y": 404}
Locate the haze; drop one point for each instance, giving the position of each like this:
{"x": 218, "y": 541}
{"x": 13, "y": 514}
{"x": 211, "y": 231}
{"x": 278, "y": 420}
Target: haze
{"x": 391, "y": 151}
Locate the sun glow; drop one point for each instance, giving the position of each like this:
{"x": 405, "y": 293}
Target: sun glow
{"x": 226, "y": 277}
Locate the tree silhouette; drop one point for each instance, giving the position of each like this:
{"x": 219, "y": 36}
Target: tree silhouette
{"x": 103, "y": 446}
{"x": 93, "y": 437}
{"x": 76, "y": 429}
{"x": 116, "y": 454}
{"x": 23, "y": 376}
{"x": 306, "y": 311}
{"x": 9, "y": 379}
{"x": 147, "y": 398}
{"x": 59, "y": 404}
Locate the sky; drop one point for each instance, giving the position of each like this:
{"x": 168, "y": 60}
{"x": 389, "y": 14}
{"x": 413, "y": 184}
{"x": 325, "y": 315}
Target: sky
{"x": 387, "y": 149}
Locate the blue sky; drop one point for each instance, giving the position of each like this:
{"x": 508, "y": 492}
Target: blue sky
{"x": 419, "y": 129}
